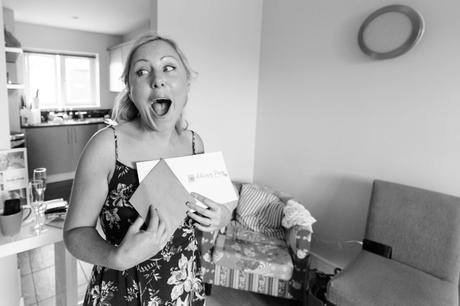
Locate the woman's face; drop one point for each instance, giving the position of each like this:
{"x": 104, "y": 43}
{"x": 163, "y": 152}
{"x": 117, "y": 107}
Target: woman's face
{"x": 158, "y": 84}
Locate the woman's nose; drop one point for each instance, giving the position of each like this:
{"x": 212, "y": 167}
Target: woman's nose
{"x": 158, "y": 82}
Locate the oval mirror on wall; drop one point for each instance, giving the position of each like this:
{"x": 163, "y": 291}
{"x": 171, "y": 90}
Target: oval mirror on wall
{"x": 390, "y": 31}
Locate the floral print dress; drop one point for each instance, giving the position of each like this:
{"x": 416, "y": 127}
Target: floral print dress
{"x": 171, "y": 277}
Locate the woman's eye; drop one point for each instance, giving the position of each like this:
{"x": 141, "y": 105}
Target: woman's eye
{"x": 169, "y": 68}
{"x": 141, "y": 72}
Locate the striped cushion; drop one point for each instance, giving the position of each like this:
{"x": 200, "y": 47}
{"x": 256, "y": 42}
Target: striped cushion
{"x": 260, "y": 211}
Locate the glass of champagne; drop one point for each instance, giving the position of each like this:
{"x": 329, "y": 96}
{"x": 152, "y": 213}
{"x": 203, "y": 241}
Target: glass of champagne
{"x": 40, "y": 174}
{"x": 37, "y": 191}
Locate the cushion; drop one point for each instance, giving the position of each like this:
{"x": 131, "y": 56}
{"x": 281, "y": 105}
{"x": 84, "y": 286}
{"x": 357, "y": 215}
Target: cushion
{"x": 260, "y": 211}
{"x": 296, "y": 214}
{"x": 239, "y": 232}
{"x": 252, "y": 252}
{"x": 374, "y": 280}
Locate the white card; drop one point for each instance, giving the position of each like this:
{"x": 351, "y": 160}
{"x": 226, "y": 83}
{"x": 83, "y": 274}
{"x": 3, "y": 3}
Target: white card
{"x": 205, "y": 174}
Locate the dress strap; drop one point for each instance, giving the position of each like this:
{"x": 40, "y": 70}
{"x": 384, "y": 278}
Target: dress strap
{"x": 193, "y": 142}
{"x": 116, "y": 141}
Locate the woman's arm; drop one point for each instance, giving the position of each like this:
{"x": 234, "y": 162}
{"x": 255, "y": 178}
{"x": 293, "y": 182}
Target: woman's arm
{"x": 88, "y": 195}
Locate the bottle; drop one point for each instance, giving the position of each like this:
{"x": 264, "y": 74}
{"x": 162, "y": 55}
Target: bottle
{"x": 36, "y": 103}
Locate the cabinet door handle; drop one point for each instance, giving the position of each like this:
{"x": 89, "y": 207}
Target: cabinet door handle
{"x": 75, "y": 135}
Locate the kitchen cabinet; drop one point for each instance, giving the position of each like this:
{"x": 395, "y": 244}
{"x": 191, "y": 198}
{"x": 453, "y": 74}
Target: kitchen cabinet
{"x": 117, "y": 56}
{"x": 13, "y": 67}
{"x": 57, "y": 148}
{"x": 12, "y": 54}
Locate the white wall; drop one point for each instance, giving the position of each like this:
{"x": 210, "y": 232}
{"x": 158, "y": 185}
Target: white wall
{"x": 45, "y": 37}
{"x": 145, "y": 27}
{"x": 222, "y": 42}
{"x": 330, "y": 120}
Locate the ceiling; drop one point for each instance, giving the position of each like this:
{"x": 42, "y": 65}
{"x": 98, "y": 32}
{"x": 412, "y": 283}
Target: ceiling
{"x": 116, "y": 17}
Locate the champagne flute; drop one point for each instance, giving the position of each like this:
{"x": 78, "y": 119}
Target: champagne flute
{"x": 40, "y": 174}
{"x": 37, "y": 191}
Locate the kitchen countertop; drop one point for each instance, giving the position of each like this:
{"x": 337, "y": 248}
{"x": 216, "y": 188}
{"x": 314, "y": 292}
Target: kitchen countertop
{"x": 68, "y": 122}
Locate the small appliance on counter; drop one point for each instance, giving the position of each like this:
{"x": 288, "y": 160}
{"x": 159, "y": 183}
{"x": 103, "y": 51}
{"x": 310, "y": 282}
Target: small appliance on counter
{"x": 30, "y": 116}
{"x": 30, "y": 113}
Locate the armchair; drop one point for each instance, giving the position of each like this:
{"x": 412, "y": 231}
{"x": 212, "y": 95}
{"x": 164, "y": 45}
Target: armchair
{"x": 243, "y": 258}
{"x": 423, "y": 268}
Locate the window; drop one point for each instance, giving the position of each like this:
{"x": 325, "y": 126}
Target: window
{"x": 62, "y": 80}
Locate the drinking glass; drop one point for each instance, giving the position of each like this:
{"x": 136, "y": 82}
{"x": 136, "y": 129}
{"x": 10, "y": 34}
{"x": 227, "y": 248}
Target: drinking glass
{"x": 40, "y": 174}
{"x": 37, "y": 192}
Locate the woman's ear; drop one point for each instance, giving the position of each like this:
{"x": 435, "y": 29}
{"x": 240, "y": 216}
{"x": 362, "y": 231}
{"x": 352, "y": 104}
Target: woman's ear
{"x": 129, "y": 94}
{"x": 187, "y": 97}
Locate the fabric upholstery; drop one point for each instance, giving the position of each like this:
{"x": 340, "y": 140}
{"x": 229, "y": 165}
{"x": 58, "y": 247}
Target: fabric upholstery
{"x": 229, "y": 257}
{"x": 260, "y": 211}
{"x": 374, "y": 280}
{"x": 237, "y": 279}
{"x": 298, "y": 241}
{"x": 246, "y": 251}
{"x": 219, "y": 274}
{"x": 423, "y": 229}
{"x": 421, "y": 226}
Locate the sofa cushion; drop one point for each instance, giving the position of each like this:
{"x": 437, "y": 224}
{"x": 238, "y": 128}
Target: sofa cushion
{"x": 374, "y": 280}
{"x": 251, "y": 252}
{"x": 240, "y": 232}
{"x": 260, "y": 211}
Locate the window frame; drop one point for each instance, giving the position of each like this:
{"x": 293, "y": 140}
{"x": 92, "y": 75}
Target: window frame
{"x": 61, "y": 77}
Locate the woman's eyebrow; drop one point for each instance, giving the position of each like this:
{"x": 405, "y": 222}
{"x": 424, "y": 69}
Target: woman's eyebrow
{"x": 168, "y": 56}
{"x": 140, "y": 60}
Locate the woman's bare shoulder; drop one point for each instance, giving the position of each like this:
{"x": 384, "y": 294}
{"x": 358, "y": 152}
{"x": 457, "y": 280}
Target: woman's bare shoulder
{"x": 103, "y": 137}
{"x": 101, "y": 146}
{"x": 128, "y": 128}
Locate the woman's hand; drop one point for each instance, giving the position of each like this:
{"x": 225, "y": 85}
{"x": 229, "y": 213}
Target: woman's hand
{"x": 209, "y": 219}
{"x": 139, "y": 245}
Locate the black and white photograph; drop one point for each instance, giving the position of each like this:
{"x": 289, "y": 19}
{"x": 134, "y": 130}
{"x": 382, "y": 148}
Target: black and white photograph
{"x": 229, "y": 152}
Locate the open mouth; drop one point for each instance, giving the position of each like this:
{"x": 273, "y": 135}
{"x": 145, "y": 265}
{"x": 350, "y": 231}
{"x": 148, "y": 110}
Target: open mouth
{"x": 161, "y": 106}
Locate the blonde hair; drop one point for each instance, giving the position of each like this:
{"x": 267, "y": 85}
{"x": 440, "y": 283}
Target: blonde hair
{"x": 124, "y": 108}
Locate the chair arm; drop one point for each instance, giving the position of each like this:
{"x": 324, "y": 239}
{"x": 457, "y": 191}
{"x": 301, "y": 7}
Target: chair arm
{"x": 298, "y": 241}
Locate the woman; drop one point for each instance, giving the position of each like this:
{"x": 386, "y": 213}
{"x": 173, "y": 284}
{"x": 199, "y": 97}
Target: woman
{"x": 138, "y": 265}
